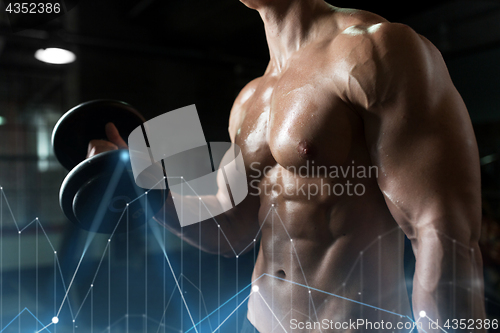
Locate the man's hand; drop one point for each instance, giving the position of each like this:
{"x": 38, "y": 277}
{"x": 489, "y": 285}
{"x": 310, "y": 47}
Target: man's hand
{"x": 114, "y": 142}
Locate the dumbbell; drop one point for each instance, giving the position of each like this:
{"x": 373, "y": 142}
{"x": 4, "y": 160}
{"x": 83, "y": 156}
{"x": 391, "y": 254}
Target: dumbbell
{"x": 99, "y": 194}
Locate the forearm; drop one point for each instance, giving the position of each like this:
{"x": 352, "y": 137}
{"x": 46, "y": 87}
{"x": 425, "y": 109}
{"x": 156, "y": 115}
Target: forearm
{"x": 448, "y": 284}
{"x": 226, "y": 234}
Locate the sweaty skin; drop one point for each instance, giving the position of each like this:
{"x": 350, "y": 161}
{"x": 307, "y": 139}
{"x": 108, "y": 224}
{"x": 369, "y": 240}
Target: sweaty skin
{"x": 345, "y": 88}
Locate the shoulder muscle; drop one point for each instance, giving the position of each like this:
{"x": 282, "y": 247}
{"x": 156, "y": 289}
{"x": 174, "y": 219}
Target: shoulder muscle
{"x": 387, "y": 59}
{"x": 236, "y": 110}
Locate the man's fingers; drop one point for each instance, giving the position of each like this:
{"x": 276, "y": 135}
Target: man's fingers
{"x": 114, "y": 136}
{"x": 99, "y": 146}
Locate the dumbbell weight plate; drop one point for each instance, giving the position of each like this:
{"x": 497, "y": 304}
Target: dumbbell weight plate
{"x": 95, "y": 192}
{"x": 86, "y": 122}
{"x": 94, "y": 195}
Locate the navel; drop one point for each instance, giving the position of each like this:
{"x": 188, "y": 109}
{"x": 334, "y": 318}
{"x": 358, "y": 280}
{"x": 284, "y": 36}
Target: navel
{"x": 305, "y": 149}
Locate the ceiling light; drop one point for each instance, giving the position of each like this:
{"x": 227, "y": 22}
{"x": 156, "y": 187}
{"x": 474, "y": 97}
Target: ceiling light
{"x": 2, "y": 120}
{"x": 53, "y": 55}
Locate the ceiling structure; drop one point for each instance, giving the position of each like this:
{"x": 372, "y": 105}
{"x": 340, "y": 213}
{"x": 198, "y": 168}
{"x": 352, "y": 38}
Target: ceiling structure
{"x": 223, "y": 34}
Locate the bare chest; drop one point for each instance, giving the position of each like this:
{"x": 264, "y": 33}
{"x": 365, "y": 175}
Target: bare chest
{"x": 296, "y": 120}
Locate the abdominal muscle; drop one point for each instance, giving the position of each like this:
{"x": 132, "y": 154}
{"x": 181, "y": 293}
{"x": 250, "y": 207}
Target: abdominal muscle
{"x": 325, "y": 256}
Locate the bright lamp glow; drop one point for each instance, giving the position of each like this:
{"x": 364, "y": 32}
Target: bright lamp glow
{"x": 53, "y": 55}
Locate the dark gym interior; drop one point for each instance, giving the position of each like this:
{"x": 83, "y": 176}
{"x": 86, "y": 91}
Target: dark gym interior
{"x": 159, "y": 56}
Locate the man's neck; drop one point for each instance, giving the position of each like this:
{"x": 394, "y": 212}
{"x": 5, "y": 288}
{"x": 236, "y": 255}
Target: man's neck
{"x": 289, "y": 25}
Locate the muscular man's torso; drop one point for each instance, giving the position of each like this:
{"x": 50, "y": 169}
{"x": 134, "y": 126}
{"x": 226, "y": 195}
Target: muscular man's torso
{"x": 328, "y": 240}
